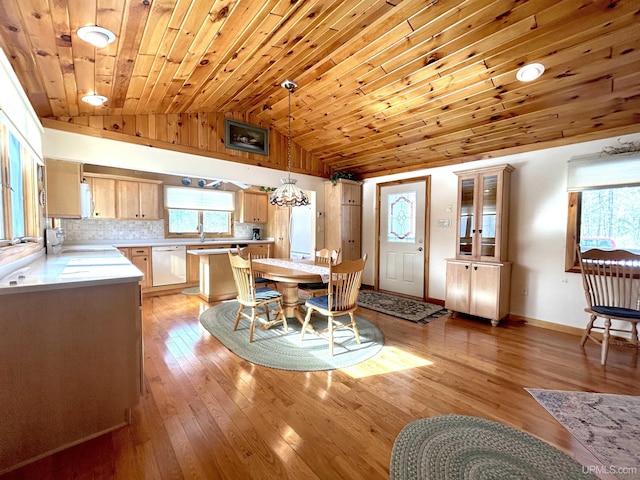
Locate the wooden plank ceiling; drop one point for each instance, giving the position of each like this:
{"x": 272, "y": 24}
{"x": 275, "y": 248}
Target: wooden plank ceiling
{"x": 384, "y": 85}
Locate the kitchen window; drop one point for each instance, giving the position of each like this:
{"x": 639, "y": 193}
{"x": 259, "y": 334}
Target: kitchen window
{"x": 191, "y": 212}
{"x": 604, "y": 205}
{"x": 19, "y": 212}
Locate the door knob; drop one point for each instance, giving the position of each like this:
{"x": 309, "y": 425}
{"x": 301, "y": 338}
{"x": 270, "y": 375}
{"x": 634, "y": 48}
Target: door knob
{"x": 419, "y": 249}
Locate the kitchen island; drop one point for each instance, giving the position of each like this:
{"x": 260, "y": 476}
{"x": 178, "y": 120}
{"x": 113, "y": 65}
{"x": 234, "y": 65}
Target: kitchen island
{"x": 216, "y": 278}
{"x": 70, "y": 350}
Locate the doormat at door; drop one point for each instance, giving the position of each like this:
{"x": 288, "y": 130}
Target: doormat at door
{"x": 405, "y": 308}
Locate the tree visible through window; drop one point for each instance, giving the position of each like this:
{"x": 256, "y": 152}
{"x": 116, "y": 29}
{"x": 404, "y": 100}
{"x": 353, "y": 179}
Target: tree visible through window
{"x": 188, "y": 222}
{"x": 610, "y": 219}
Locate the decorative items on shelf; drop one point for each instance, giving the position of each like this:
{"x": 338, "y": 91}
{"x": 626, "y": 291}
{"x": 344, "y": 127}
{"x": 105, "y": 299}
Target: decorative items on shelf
{"x": 337, "y": 175}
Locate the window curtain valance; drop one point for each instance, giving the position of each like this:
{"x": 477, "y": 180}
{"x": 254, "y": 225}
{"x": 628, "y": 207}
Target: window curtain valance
{"x": 600, "y": 171}
{"x": 197, "y": 199}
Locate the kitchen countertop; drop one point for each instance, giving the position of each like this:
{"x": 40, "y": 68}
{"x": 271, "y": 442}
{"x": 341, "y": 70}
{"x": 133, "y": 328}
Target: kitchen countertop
{"x": 168, "y": 241}
{"x": 211, "y": 251}
{"x": 69, "y": 270}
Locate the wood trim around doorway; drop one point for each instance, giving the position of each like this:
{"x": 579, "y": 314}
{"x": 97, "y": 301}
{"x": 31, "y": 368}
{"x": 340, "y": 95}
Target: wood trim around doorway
{"x": 427, "y": 229}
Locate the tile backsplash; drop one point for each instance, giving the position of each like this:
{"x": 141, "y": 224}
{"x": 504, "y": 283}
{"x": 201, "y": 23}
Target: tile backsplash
{"x": 92, "y": 230}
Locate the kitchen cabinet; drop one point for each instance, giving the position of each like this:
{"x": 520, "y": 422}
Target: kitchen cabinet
{"x": 252, "y": 207}
{"x": 74, "y": 370}
{"x": 481, "y": 289}
{"x": 478, "y": 279}
{"x": 216, "y": 277}
{"x": 63, "y": 188}
{"x": 141, "y": 258}
{"x": 278, "y": 228}
{"x": 124, "y": 198}
{"x": 193, "y": 261}
{"x": 343, "y": 218}
{"x": 137, "y": 200}
{"x": 103, "y": 196}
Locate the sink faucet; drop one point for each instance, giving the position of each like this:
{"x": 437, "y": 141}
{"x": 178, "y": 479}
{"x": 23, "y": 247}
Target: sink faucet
{"x": 203, "y": 235}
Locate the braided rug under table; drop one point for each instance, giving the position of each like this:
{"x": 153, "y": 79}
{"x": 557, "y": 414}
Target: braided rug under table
{"x": 452, "y": 447}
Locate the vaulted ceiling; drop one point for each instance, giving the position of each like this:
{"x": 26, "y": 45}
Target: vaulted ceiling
{"x": 384, "y": 85}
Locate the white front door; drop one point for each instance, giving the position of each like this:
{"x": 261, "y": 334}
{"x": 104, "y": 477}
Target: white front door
{"x": 402, "y": 238}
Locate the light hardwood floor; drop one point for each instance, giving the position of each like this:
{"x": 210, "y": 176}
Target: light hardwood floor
{"x": 208, "y": 414}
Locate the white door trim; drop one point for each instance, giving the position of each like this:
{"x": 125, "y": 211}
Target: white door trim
{"x": 427, "y": 214}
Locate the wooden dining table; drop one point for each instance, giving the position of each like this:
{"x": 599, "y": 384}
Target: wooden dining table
{"x": 289, "y": 273}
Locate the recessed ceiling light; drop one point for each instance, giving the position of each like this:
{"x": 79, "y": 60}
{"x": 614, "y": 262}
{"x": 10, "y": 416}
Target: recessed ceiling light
{"x": 530, "y": 72}
{"x": 95, "y": 100}
{"x": 97, "y": 36}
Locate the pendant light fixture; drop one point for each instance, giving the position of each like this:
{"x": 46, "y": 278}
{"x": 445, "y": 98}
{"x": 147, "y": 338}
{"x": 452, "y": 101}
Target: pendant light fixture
{"x": 289, "y": 194}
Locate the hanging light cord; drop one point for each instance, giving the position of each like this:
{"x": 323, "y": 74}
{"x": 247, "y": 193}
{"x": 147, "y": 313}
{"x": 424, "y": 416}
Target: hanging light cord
{"x": 291, "y": 87}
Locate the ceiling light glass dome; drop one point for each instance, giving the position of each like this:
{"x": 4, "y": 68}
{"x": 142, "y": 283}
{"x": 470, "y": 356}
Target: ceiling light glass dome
{"x": 97, "y": 36}
{"x": 95, "y": 100}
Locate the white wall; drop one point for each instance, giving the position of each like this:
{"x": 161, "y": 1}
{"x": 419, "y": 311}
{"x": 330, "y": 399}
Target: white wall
{"x": 538, "y": 216}
{"x": 99, "y": 151}
{"x": 538, "y": 221}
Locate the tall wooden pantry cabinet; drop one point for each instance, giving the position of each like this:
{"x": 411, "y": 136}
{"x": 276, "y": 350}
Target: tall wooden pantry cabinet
{"x": 343, "y": 217}
{"x": 478, "y": 280}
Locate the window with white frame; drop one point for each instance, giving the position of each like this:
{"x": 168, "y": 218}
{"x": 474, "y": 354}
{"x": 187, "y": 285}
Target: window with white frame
{"x": 192, "y": 211}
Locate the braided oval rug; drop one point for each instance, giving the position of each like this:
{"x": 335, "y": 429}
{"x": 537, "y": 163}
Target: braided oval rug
{"x": 452, "y": 447}
{"x": 277, "y": 348}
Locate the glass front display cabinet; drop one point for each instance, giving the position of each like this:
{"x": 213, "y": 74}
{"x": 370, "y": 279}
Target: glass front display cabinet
{"x": 478, "y": 279}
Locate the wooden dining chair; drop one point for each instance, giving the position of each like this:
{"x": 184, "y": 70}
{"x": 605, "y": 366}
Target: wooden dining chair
{"x": 345, "y": 280}
{"x": 258, "y": 252}
{"x": 322, "y": 257}
{"x": 252, "y": 297}
{"x": 611, "y": 281}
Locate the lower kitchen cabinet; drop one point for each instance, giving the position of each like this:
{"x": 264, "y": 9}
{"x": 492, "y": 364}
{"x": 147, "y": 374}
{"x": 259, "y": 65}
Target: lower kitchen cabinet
{"x": 141, "y": 258}
{"x": 478, "y": 288}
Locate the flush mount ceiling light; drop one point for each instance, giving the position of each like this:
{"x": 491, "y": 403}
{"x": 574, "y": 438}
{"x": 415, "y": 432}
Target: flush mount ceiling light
{"x": 530, "y": 72}
{"x": 289, "y": 194}
{"x": 95, "y": 100}
{"x": 97, "y": 36}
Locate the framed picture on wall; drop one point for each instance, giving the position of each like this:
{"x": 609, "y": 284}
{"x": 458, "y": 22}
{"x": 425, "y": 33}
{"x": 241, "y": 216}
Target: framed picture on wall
{"x": 245, "y": 137}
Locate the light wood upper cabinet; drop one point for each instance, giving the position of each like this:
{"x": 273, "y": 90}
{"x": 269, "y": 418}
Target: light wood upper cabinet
{"x": 343, "y": 214}
{"x": 137, "y": 200}
{"x": 351, "y": 193}
{"x": 63, "y": 188}
{"x": 103, "y": 196}
{"x": 252, "y": 207}
{"x": 125, "y": 198}
{"x": 483, "y": 213}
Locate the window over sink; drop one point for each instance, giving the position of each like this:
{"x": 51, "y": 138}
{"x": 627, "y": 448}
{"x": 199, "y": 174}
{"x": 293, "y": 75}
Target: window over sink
{"x": 194, "y": 211}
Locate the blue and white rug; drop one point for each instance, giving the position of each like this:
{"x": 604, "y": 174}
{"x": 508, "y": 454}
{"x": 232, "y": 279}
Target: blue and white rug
{"x": 405, "y": 308}
{"x": 607, "y": 425}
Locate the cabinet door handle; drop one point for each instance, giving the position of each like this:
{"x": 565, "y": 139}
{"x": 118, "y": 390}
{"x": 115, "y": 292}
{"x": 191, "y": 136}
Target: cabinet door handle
{"x": 475, "y": 267}
{"x": 466, "y": 267}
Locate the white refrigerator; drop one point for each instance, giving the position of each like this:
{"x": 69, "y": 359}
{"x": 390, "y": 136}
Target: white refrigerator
{"x": 301, "y": 232}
